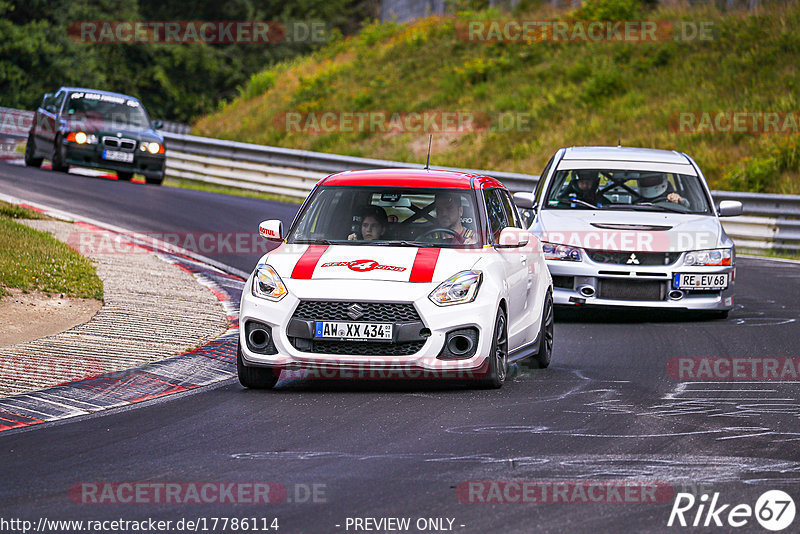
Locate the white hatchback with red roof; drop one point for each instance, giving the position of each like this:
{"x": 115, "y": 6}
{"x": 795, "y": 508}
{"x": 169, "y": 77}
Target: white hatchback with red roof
{"x": 398, "y": 274}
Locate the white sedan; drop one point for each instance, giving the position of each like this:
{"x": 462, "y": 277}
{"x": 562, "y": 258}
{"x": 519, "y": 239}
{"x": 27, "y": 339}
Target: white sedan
{"x": 410, "y": 273}
{"x": 633, "y": 227}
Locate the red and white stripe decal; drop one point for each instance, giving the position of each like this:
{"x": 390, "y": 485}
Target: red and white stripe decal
{"x": 305, "y": 266}
{"x": 424, "y": 265}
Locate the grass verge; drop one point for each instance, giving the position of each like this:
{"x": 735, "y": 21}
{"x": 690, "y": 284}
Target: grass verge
{"x": 35, "y": 261}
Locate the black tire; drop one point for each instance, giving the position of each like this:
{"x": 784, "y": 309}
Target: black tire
{"x": 718, "y": 314}
{"x": 498, "y": 354}
{"x": 154, "y": 180}
{"x": 255, "y": 377}
{"x": 30, "y": 150}
{"x": 125, "y": 175}
{"x": 545, "y": 351}
{"x": 57, "y": 163}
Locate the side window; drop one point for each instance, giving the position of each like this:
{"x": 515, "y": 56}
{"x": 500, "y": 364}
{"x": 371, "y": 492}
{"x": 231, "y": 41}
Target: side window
{"x": 495, "y": 213}
{"x": 58, "y": 100}
{"x": 512, "y": 215}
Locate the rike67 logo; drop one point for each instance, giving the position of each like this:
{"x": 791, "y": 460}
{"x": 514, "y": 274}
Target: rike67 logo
{"x": 774, "y": 510}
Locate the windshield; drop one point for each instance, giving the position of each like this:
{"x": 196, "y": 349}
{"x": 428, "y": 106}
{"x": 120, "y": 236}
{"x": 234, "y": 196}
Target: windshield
{"x": 389, "y": 216}
{"x": 92, "y": 111}
{"x": 588, "y": 189}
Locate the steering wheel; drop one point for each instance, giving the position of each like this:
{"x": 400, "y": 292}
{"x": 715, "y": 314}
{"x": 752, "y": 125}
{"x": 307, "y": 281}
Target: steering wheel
{"x": 441, "y": 229}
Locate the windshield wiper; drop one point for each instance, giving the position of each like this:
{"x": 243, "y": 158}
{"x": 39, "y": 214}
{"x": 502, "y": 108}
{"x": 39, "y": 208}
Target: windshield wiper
{"x": 404, "y": 243}
{"x": 659, "y": 206}
{"x": 578, "y": 201}
{"x": 315, "y": 242}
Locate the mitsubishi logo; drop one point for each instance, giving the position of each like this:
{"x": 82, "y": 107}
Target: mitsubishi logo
{"x": 633, "y": 259}
{"x": 354, "y": 311}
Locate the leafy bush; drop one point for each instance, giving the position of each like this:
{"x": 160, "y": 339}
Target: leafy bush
{"x": 608, "y": 10}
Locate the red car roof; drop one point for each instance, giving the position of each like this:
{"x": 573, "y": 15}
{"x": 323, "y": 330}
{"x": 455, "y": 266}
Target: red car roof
{"x": 412, "y": 178}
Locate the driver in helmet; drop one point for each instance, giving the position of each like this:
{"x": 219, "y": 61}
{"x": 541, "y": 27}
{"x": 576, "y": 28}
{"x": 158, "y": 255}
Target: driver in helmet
{"x": 448, "y": 215}
{"x": 658, "y": 189}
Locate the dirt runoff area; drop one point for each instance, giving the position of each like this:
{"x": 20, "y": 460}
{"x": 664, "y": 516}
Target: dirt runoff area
{"x": 29, "y": 316}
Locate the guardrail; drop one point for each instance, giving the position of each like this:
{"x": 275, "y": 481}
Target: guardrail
{"x": 770, "y": 222}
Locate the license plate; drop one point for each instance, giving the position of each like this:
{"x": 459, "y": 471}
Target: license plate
{"x": 337, "y": 330}
{"x": 116, "y": 155}
{"x": 700, "y": 281}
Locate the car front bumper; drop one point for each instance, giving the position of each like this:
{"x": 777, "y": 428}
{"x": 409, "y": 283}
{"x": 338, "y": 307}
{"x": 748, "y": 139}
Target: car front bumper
{"x": 149, "y": 165}
{"x": 427, "y": 361}
{"x": 587, "y": 283}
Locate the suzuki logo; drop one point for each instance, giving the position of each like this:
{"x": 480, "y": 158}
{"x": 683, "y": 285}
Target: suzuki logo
{"x": 354, "y": 311}
{"x": 633, "y": 260}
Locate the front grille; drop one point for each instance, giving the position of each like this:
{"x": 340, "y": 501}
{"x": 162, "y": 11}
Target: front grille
{"x": 631, "y": 258}
{"x": 631, "y": 290}
{"x": 356, "y": 348}
{"x": 324, "y": 310}
{"x": 121, "y": 144}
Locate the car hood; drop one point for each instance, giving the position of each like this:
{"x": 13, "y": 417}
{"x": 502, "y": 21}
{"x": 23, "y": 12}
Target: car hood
{"x": 635, "y": 231}
{"x": 386, "y": 263}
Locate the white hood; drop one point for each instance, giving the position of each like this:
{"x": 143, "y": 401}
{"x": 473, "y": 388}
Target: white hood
{"x": 354, "y": 262}
{"x": 635, "y": 231}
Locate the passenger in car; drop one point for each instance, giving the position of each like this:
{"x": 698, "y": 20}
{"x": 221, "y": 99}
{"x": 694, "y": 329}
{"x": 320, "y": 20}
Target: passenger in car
{"x": 373, "y": 224}
{"x": 658, "y": 189}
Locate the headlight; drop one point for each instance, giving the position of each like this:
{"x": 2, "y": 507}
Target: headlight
{"x": 561, "y": 252}
{"x": 82, "y": 138}
{"x": 458, "y": 289}
{"x": 720, "y": 256}
{"x": 153, "y": 148}
{"x": 267, "y": 284}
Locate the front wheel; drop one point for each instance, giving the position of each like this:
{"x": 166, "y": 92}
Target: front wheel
{"x": 498, "y": 354}
{"x": 255, "y": 377}
{"x": 57, "y": 163}
{"x": 546, "y": 333}
{"x": 30, "y": 151}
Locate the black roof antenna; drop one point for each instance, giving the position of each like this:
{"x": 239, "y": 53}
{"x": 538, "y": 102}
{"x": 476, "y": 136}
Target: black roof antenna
{"x": 619, "y": 140}
{"x": 428, "y": 163}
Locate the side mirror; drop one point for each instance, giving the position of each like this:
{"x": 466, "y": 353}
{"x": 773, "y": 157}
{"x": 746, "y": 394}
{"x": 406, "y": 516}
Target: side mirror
{"x": 157, "y": 125}
{"x": 525, "y": 201}
{"x": 271, "y": 230}
{"x": 730, "y": 208}
{"x": 511, "y": 237}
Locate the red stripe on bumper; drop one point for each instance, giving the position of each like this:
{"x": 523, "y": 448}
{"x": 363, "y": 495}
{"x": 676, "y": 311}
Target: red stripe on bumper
{"x": 305, "y": 266}
{"x": 424, "y": 265}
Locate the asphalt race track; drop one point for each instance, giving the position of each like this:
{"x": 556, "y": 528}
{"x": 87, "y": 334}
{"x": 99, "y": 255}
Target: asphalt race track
{"x": 610, "y": 410}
